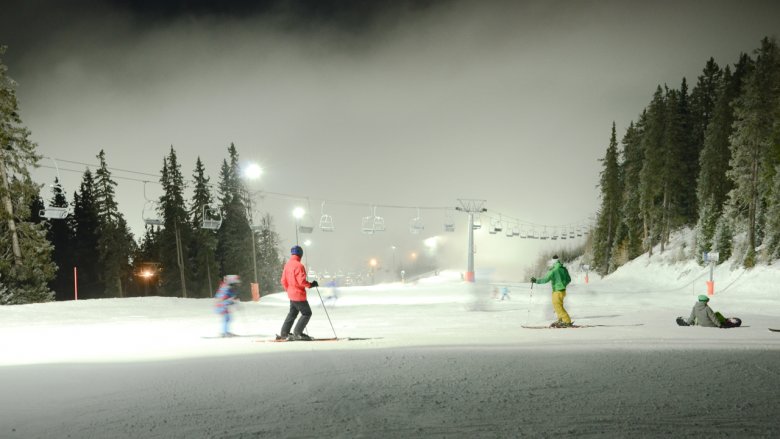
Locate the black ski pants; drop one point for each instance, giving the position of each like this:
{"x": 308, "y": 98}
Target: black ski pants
{"x": 295, "y": 308}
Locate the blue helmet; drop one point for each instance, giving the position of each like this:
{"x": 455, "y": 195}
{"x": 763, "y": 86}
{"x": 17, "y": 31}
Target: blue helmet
{"x": 296, "y": 250}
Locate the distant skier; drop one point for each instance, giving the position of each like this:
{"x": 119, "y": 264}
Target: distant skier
{"x": 226, "y": 297}
{"x": 559, "y": 276}
{"x": 334, "y": 292}
{"x": 295, "y": 283}
{"x": 703, "y": 315}
{"x": 505, "y": 293}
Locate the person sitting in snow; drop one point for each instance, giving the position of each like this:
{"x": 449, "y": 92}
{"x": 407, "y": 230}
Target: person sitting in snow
{"x": 559, "y": 277}
{"x": 703, "y": 315}
{"x": 226, "y": 297}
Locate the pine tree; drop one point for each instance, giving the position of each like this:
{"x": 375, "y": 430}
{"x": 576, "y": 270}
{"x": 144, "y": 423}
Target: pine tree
{"x": 115, "y": 241}
{"x": 85, "y": 226}
{"x": 651, "y": 179}
{"x": 205, "y": 271}
{"x": 25, "y": 265}
{"x": 235, "y": 237}
{"x": 268, "y": 258}
{"x": 712, "y": 185}
{"x": 609, "y": 214}
{"x": 59, "y": 235}
{"x": 773, "y": 219}
{"x": 632, "y": 163}
{"x": 176, "y": 235}
{"x": 755, "y": 151}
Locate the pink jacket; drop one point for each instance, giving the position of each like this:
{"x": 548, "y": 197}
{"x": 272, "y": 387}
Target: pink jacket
{"x": 294, "y": 279}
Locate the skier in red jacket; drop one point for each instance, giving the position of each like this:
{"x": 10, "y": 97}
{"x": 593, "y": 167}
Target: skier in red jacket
{"x": 295, "y": 283}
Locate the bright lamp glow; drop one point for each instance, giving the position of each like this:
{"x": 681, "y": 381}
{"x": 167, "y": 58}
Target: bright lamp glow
{"x": 298, "y": 212}
{"x": 253, "y": 171}
{"x": 307, "y": 242}
{"x": 430, "y": 243}
{"x": 372, "y": 262}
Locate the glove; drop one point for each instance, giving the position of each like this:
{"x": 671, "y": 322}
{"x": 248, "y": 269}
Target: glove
{"x": 314, "y": 284}
{"x": 533, "y": 280}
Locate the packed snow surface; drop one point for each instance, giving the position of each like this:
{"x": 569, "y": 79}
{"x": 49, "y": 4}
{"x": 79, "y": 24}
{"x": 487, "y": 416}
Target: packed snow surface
{"x": 436, "y": 358}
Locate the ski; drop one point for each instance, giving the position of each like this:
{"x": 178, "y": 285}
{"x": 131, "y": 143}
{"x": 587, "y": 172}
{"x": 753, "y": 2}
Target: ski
{"x": 579, "y": 326}
{"x": 774, "y": 329}
{"x": 284, "y": 340}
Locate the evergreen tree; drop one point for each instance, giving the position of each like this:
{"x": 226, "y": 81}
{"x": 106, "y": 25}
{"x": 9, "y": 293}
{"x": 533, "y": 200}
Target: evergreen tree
{"x": 773, "y": 219}
{"x": 632, "y": 163}
{"x": 268, "y": 258}
{"x": 703, "y": 101}
{"x": 85, "y": 226}
{"x": 25, "y": 264}
{"x": 59, "y": 235}
{"x": 651, "y": 181}
{"x": 176, "y": 234}
{"x": 115, "y": 241}
{"x": 235, "y": 237}
{"x": 609, "y": 214}
{"x": 712, "y": 184}
{"x": 755, "y": 150}
{"x": 205, "y": 271}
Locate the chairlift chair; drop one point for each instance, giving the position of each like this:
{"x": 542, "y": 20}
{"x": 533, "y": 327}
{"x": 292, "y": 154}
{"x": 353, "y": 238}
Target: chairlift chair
{"x": 449, "y": 222}
{"x": 515, "y": 231}
{"x": 416, "y": 224}
{"x": 212, "y": 219}
{"x": 373, "y": 223}
{"x": 476, "y": 224}
{"x": 509, "y": 233}
{"x": 326, "y": 221}
{"x": 51, "y": 211}
{"x": 151, "y": 211}
{"x": 544, "y": 235}
{"x": 496, "y": 225}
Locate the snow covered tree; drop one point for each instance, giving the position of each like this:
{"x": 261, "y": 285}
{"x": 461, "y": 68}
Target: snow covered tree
{"x": 755, "y": 146}
{"x": 651, "y": 177}
{"x": 712, "y": 185}
{"x": 773, "y": 220}
{"x": 176, "y": 234}
{"x": 609, "y": 213}
{"x": 703, "y": 100}
{"x": 205, "y": 271}
{"x": 631, "y": 164}
{"x": 25, "y": 262}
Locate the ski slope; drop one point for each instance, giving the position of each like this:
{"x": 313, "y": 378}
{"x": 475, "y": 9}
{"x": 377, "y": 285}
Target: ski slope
{"x": 441, "y": 358}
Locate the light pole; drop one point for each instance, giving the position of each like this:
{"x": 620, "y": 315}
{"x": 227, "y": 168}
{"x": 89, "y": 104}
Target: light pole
{"x": 298, "y": 213}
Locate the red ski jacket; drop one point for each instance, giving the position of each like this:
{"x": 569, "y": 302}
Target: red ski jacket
{"x": 294, "y": 279}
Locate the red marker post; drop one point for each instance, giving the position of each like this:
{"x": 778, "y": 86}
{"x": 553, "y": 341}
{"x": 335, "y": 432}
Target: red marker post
{"x": 75, "y": 283}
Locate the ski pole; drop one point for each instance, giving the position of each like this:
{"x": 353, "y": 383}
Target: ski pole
{"x": 326, "y": 312}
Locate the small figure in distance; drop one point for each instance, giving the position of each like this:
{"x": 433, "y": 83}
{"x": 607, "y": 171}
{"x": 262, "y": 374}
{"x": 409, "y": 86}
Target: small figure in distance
{"x": 226, "y": 297}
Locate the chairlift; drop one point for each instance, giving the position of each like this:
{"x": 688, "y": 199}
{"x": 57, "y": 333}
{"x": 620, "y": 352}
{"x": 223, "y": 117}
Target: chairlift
{"x": 416, "y": 225}
{"x": 326, "y": 221}
{"x": 212, "y": 218}
{"x": 523, "y": 234}
{"x": 495, "y": 225}
{"x": 305, "y": 223}
{"x": 476, "y": 223}
{"x": 51, "y": 211}
{"x": 449, "y": 222}
{"x": 151, "y": 211}
{"x": 554, "y": 236}
{"x": 373, "y": 223}
{"x": 544, "y": 235}
{"x": 509, "y": 233}
{"x": 515, "y": 231}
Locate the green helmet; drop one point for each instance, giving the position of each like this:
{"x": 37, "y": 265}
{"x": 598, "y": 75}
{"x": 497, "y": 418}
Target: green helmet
{"x": 703, "y": 298}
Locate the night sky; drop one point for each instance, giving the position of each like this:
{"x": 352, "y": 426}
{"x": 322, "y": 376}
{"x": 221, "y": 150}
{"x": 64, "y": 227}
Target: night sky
{"x": 412, "y": 103}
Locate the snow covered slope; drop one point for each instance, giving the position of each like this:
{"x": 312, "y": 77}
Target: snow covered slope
{"x": 441, "y": 359}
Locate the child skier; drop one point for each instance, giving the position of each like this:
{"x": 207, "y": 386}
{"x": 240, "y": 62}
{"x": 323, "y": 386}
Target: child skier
{"x": 226, "y": 297}
{"x": 703, "y": 315}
